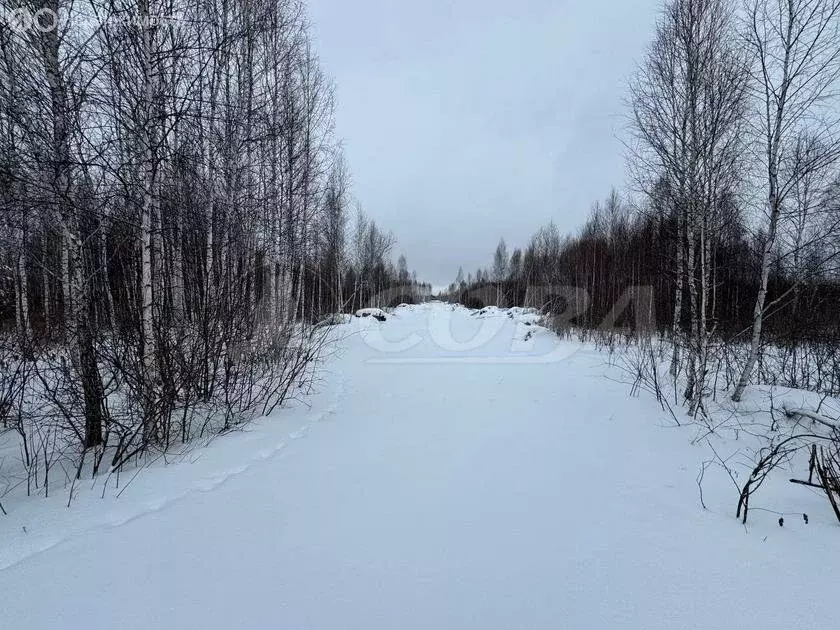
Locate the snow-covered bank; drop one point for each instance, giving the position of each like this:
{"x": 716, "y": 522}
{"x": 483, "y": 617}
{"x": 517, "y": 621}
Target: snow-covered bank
{"x": 450, "y": 473}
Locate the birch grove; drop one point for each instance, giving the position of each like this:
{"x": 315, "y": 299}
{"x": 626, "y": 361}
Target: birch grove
{"x": 725, "y": 253}
{"x": 796, "y": 48}
{"x": 174, "y": 214}
{"x": 688, "y": 115}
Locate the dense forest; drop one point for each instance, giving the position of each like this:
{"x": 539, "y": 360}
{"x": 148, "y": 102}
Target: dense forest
{"x": 175, "y": 219}
{"x": 728, "y": 243}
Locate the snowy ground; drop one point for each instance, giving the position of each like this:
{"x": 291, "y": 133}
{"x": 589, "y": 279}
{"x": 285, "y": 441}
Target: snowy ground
{"x": 448, "y": 474}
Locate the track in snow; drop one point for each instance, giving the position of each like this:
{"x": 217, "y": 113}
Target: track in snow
{"x": 449, "y": 475}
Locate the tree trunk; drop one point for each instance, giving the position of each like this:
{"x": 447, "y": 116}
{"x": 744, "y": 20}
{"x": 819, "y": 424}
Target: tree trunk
{"x": 22, "y": 298}
{"x": 676, "y": 326}
{"x": 758, "y": 310}
{"x": 774, "y": 142}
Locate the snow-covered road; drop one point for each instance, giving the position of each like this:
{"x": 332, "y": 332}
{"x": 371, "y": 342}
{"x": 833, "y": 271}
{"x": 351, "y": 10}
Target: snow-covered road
{"x": 448, "y": 474}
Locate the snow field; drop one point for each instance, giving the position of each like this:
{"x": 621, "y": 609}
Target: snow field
{"x": 448, "y": 474}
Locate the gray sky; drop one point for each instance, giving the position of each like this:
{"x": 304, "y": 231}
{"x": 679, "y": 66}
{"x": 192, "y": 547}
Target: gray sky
{"x": 470, "y": 120}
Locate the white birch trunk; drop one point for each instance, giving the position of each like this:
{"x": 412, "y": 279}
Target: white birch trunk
{"x": 147, "y": 217}
{"x": 676, "y": 326}
{"x": 22, "y": 298}
{"x": 775, "y": 207}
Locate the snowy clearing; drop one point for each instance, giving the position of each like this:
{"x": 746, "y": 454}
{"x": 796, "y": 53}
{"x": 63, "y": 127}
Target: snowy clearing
{"x": 450, "y": 473}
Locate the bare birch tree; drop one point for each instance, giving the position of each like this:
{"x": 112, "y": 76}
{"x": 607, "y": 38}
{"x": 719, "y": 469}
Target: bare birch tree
{"x": 796, "y": 64}
{"x": 687, "y": 116}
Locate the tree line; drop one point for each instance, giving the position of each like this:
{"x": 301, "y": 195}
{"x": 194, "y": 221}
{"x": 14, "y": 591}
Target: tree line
{"x": 174, "y": 209}
{"x": 734, "y": 224}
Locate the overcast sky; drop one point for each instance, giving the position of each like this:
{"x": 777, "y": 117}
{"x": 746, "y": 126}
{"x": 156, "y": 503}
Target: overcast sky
{"x": 468, "y": 120}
